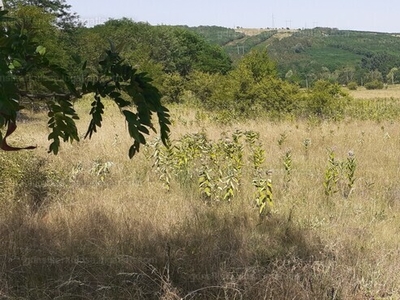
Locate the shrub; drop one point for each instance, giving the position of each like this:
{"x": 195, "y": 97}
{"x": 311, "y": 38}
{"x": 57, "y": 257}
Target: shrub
{"x": 172, "y": 88}
{"x": 374, "y": 85}
{"x": 326, "y": 100}
{"x": 352, "y": 86}
{"x": 27, "y": 179}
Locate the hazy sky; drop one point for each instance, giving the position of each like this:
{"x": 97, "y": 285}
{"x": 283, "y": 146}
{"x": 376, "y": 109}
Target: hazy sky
{"x": 368, "y": 15}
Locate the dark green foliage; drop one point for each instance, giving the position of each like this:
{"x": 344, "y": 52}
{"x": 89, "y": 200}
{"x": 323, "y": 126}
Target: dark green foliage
{"x": 175, "y": 49}
{"x": 22, "y": 56}
{"x": 115, "y": 79}
{"x": 382, "y": 62}
{"x": 61, "y": 122}
{"x": 37, "y": 28}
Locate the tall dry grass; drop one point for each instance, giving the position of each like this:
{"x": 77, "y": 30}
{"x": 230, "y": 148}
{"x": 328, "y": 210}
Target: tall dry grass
{"x": 70, "y": 229}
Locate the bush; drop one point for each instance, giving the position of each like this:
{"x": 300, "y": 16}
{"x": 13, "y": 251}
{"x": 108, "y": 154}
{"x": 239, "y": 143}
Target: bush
{"x": 352, "y": 86}
{"x": 172, "y": 88}
{"x": 326, "y": 100}
{"x": 27, "y": 179}
{"x": 374, "y": 85}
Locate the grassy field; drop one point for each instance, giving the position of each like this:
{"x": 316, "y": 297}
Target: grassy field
{"x": 92, "y": 224}
{"x": 391, "y": 91}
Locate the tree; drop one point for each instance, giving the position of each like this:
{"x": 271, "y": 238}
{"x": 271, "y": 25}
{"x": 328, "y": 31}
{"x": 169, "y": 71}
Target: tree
{"x": 259, "y": 64}
{"x": 59, "y": 8}
{"x": 345, "y": 75}
{"x": 176, "y": 50}
{"x": 192, "y": 52}
{"x": 173, "y": 87}
{"x": 38, "y": 28}
{"x": 391, "y": 74}
{"x": 375, "y": 75}
{"x": 381, "y": 62}
{"x": 132, "y": 91}
{"x": 251, "y": 89}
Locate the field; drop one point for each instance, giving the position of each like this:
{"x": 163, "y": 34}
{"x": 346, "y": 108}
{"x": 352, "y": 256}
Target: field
{"x": 391, "y": 91}
{"x": 91, "y": 224}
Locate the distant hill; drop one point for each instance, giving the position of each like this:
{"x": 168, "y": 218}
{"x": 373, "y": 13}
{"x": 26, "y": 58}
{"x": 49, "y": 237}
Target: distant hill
{"x": 310, "y": 54}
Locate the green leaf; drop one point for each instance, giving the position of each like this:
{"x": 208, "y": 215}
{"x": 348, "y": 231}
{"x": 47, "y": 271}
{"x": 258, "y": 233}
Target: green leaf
{"x": 54, "y": 147}
{"x": 41, "y": 50}
{"x": 132, "y": 151}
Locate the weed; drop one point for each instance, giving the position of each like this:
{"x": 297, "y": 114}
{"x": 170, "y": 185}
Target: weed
{"x": 287, "y": 163}
{"x": 101, "y": 169}
{"x": 263, "y": 195}
{"x": 350, "y": 169}
{"x": 307, "y": 145}
{"x": 331, "y": 175}
{"x": 282, "y": 139}
{"x": 217, "y": 165}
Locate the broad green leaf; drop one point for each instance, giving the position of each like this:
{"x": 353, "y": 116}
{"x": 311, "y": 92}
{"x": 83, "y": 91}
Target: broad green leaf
{"x": 41, "y": 50}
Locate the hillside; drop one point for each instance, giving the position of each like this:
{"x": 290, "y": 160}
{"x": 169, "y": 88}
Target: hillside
{"x": 338, "y": 55}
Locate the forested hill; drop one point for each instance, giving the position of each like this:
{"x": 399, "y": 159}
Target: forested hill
{"x": 319, "y": 53}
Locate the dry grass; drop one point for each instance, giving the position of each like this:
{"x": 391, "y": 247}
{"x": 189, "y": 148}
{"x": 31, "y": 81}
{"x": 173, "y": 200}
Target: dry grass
{"x": 120, "y": 235}
{"x": 391, "y": 91}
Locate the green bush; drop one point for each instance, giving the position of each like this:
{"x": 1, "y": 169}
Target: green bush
{"x": 253, "y": 89}
{"x": 374, "y": 85}
{"x": 172, "y": 88}
{"x": 352, "y": 86}
{"x": 325, "y": 100}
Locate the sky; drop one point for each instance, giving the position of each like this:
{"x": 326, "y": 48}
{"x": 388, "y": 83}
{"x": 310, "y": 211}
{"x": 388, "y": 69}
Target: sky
{"x": 367, "y": 15}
